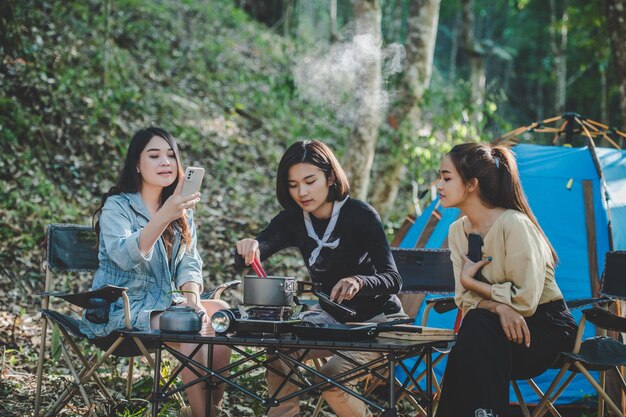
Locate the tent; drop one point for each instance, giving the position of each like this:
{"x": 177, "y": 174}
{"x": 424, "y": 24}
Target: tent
{"x": 579, "y": 197}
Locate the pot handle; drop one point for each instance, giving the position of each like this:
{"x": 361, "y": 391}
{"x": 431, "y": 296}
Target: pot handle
{"x": 307, "y": 287}
{"x": 183, "y": 292}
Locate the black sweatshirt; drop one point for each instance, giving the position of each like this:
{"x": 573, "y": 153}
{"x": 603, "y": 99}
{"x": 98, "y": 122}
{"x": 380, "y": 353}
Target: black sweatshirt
{"x": 363, "y": 251}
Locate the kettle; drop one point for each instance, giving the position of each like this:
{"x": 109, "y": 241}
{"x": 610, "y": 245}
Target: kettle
{"x": 180, "y": 319}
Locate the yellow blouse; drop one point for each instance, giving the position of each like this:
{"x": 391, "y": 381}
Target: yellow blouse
{"x": 521, "y": 273}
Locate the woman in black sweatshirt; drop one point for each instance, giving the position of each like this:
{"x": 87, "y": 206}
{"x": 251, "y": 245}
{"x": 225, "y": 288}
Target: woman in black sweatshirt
{"x": 344, "y": 247}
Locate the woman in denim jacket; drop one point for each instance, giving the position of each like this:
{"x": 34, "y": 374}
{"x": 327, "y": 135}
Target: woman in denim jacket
{"x": 147, "y": 242}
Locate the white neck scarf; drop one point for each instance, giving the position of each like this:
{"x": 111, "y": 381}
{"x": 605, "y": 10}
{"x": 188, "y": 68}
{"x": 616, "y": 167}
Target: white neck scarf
{"x": 323, "y": 242}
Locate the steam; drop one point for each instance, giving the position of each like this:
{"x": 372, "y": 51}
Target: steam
{"x": 334, "y": 76}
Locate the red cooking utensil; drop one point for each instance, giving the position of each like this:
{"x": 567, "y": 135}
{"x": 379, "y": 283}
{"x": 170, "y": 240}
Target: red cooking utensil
{"x": 256, "y": 265}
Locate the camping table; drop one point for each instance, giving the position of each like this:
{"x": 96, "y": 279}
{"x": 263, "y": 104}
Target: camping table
{"x": 269, "y": 348}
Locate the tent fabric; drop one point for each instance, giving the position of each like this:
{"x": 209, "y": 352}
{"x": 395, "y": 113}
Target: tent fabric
{"x": 553, "y": 179}
{"x": 613, "y": 162}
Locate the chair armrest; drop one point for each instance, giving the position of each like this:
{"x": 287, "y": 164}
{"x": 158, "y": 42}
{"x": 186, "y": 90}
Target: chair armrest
{"x": 583, "y": 302}
{"x": 216, "y": 293}
{"x": 442, "y": 304}
{"x": 605, "y": 319}
{"x": 110, "y": 293}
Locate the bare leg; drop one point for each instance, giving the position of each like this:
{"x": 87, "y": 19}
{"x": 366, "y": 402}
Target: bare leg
{"x": 221, "y": 357}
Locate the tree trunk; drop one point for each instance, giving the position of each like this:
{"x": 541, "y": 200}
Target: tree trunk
{"x": 420, "y": 47}
{"x": 604, "y": 107}
{"x": 105, "y": 51}
{"x": 477, "y": 61}
{"x": 559, "y": 52}
{"x": 616, "y": 10}
{"x": 361, "y": 145}
{"x": 333, "y": 21}
{"x": 287, "y": 17}
{"x": 454, "y": 46}
{"x": 540, "y": 102}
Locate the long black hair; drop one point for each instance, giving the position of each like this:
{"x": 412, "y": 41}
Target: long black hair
{"x": 499, "y": 184}
{"x": 130, "y": 181}
{"x": 317, "y": 154}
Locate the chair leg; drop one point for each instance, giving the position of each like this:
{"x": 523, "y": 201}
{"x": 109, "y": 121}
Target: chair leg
{"x": 599, "y": 389}
{"x": 129, "y": 379}
{"x": 87, "y": 372}
{"x": 77, "y": 380}
{"x": 520, "y": 398}
{"x": 620, "y": 378}
{"x": 318, "y": 407}
{"x": 546, "y": 397}
{"x": 67, "y": 394}
{"x": 418, "y": 407}
{"x": 600, "y": 398}
{"x": 540, "y": 394}
{"x": 86, "y": 365}
{"x": 318, "y": 362}
{"x": 42, "y": 355}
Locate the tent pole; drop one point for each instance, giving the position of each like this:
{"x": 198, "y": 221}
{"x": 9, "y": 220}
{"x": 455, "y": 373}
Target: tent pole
{"x": 594, "y": 156}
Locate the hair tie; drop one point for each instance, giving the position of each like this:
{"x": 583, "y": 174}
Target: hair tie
{"x": 497, "y": 161}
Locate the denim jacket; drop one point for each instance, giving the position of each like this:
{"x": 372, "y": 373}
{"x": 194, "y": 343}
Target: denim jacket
{"x": 149, "y": 278}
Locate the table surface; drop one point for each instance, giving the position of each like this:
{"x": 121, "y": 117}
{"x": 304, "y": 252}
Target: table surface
{"x": 378, "y": 344}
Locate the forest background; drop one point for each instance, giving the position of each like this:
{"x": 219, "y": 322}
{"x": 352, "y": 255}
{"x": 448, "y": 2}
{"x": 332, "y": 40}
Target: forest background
{"x": 391, "y": 85}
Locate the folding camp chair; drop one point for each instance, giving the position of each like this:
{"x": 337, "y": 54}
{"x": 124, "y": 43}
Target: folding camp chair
{"x": 73, "y": 248}
{"x": 425, "y": 271}
{"x": 430, "y": 271}
{"x": 599, "y": 353}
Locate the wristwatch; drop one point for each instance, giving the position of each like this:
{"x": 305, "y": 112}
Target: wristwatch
{"x": 359, "y": 281}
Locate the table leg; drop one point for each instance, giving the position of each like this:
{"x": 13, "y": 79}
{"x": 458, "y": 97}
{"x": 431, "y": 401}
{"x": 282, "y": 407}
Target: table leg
{"x": 155, "y": 382}
{"x": 391, "y": 411}
{"x": 208, "y": 407}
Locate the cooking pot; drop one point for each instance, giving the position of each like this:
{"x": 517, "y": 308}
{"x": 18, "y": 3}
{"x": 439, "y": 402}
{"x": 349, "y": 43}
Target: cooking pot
{"x": 268, "y": 291}
{"x": 180, "y": 319}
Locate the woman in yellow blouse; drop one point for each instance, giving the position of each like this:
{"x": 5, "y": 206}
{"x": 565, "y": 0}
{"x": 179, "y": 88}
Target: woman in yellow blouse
{"x": 515, "y": 322}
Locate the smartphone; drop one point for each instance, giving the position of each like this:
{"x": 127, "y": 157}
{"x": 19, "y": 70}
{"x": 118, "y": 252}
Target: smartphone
{"x": 475, "y": 247}
{"x": 192, "y": 181}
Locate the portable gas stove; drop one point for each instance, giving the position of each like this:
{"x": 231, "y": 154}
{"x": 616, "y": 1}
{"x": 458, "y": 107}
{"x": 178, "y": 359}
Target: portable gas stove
{"x": 253, "y": 319}
{"x": 269, "y": 307}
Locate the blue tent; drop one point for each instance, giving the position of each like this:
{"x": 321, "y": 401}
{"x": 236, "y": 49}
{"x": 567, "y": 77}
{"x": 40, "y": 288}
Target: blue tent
{"x": 571, "y": 201}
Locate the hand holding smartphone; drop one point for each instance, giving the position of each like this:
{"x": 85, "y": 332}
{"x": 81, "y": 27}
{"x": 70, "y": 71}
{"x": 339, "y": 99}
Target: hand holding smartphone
{"x": 475, "y": 252}
{"x": 475, "y": 247}
{"x": 192, "y": 181}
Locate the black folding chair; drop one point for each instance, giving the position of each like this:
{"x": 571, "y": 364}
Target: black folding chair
{"x": 422, "y": 271}
{"x": 426, "y": 271}
{"x": 73, "y": 249}
{"x": 598, "y": 353}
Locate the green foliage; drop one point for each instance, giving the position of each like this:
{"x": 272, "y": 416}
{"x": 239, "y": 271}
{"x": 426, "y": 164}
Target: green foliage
{"x": 79, "y": 77}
